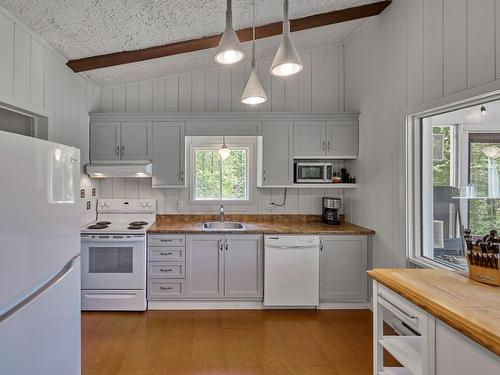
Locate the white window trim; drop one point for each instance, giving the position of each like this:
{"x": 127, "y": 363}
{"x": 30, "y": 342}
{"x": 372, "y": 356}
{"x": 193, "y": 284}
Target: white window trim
{"x": 213, "y": 143}
{"x": 413, "y": 202}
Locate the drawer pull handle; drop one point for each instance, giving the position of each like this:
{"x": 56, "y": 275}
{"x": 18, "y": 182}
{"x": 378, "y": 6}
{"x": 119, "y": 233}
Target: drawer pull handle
{"x": 166, "y": 269}
{"x": 165, "y": 253}
{"x": 397, "y": 310}
{"x": 166, "y": 288}
{"x": 166, "y": 240}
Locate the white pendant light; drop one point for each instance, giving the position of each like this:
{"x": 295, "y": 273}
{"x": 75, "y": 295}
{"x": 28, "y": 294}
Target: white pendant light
{"x": 224, "y": 151}
{"x": 254, "y": 92}
{"x": 286, "y": 61}
{"x": 229, "y": 50}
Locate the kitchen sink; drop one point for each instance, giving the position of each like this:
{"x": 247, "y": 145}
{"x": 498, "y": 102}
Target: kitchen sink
{"x": 225, "y": 225}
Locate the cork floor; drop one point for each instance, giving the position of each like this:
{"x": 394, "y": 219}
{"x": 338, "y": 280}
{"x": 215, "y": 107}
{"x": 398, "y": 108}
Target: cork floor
{"x": 228, "y": 342}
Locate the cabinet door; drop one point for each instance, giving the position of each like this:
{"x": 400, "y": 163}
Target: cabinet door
{"x": 168, "y": 154}
{"x": 204, "y": 266}
{"x": 105, "y": 141}
{"x": 243, "y": 266}
{"x": 343, "y": 265}
{"x": 136, "y": 138}
{"x": 342, "y": 139}
{"x": 309, "y": 138}
{"x": 277, "y": 153}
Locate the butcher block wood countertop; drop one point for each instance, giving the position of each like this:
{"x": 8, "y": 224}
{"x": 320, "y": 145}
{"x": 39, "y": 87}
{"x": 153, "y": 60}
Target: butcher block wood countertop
{"x": 464, "y": 304}
{"x": 258, "y": 224}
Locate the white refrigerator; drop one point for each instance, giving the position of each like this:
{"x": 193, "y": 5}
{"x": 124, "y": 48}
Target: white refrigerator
{"x": 39, "y": 257}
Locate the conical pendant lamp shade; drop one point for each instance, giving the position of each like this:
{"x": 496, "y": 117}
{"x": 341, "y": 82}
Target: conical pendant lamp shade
{"x": 286, "y": 61}
{"x": 229, "y": 50}
{"x": 254, "y": 91}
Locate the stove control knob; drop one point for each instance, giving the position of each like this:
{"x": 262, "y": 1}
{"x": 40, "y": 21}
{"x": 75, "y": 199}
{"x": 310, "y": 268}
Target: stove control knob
{"x": 108, "y": 204}
{"x": 143, "y": 204}
{"x": 103, "y": 204}
{"x": 149, "y": 204}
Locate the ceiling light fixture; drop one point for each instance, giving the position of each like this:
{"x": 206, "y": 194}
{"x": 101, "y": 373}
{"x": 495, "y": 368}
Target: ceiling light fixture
{"x": 254, "y": 92}
{"x": 229, "y": 50}
{"x": 286, "y": 61}
{"x": 483, "y": 110}
{"x": 224, "y": 151}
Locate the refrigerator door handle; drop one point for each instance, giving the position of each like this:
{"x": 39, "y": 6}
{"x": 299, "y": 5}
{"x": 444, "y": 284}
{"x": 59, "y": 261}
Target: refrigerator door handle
{"x": 32, "y": 296}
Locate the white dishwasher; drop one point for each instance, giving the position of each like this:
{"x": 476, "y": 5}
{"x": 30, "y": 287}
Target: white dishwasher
{"x": 291, "y": 270}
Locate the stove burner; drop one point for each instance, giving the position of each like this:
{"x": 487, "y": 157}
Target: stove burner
{"x": 97, "y": 226}
{"x": 135, "y": 227}
{"x": 103, "y": 223}
{"x": 135, "y": 223}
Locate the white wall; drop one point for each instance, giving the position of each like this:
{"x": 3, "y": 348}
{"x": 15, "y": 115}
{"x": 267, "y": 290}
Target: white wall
{"x": 35, "y": 78}
{"x": 318, "y": 88}
{"x": 415, "y": 52}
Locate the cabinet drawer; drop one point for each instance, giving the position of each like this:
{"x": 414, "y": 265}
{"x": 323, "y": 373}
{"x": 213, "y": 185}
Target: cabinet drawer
{"x": 167, "y": 240}
{"x": 166, "y": 270}
{"x": 169, "y": 254}
{"x": 401, "y": 308}
{"x": 163, "y": 289}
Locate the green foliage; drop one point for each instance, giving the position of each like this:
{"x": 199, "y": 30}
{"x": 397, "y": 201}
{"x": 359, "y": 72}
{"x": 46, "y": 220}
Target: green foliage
{"x": 441, "y": 169}
{"x": 234, "y": 175}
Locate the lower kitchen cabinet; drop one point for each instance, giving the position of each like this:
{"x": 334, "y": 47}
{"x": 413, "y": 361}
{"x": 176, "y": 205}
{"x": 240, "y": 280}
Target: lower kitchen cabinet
{"x": 343, "y": 266}
{"x": 204, "y": 266}
{"x": 229, "y": 267}
{"x": 244, "y": 266}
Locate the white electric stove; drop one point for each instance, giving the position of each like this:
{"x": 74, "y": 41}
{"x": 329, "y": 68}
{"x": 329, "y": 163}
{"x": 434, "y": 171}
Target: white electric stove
{"x": 113, "y": 250}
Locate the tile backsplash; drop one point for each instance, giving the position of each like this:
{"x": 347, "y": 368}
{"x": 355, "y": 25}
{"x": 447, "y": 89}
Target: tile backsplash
{"x": 88, "y": 202}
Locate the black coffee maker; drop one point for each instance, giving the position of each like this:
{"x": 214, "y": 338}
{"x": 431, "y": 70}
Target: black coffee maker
{"x": 331, "y": 207}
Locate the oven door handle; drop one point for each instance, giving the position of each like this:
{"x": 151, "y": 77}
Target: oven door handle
{"x": 120, "y": 240}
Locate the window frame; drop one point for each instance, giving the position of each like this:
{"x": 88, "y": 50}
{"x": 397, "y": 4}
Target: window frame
{"x": 212, "y": 143}
{"x": 413, "y": 168}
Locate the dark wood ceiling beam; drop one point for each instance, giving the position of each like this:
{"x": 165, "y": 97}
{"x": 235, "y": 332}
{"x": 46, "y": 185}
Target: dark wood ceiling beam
{"x": 264, "y": 31}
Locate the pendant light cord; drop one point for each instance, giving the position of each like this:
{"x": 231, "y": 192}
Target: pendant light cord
{"x": 253, "y": 33}
{"x": 286, "y": 22}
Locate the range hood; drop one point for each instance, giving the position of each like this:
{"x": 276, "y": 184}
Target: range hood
{"x": 119, "y": 169}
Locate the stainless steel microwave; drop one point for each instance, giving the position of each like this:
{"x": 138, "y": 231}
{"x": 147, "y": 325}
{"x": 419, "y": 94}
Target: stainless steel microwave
{"x": 313, "y": 172}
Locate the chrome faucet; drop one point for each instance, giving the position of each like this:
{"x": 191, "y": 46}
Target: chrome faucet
{"x": 221, "y": 213}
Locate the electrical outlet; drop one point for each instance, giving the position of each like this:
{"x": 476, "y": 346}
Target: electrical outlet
{"x": 82, "y": 193}
{"x": 180, "y": 205}
{"x": 93, "y": 192}
{"x": 88, "y": 205}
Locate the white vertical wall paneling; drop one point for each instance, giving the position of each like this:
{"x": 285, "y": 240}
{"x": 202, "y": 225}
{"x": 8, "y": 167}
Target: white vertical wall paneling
{"x": 132, "y": 98}
{"x": 37, "y": 73}
{"x": 480, "y": 42}
{"x": 185, "y": 92}
{"x": 22, "y": 56}
{"x": 212, "y": 90}
{"x": 414, "y": 50}
{"x": 318, "y": 80}
{"x": 198, "y": 94}
{"x": 225, "y": 92}
{"x": 145, "y": 189}
{"x": 159, "y": 95}
{"x": 291, "y": 91}
{"x": 146, "y": 96}
{"x": 278, "y": 94}
{"x": 332, "y": 69}
{"x": 7, "y": 55}
{"x": 305, "y": 82}
{"x": 172, "y": 90}
{"x": 119, "y": 99}
{"x": 107, "y": 100}
{"x": 119, "y": 187}
{"x": 455, "y": 45}
{"x": 132, "y": 188}
{"x": 237, "y": 86}
{"x": 106, "y": 188}
{"x": 433, "y": 49}
{"x": 497, "y": 38}
{"x": 263, "y": 67}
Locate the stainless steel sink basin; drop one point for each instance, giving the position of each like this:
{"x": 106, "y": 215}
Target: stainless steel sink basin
{"x": 226, "y": 225}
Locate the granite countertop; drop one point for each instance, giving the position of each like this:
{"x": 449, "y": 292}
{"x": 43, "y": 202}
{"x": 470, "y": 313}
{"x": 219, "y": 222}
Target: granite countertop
{"x": 468, "y": 306}
{"x": 265, "y": 224}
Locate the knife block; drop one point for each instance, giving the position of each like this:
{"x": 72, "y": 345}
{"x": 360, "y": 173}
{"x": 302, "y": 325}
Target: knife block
{"x": 486, "y": 275}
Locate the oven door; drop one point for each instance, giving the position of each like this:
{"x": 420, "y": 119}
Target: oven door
{"x": 310, "y": 172}
{"x": 113, "y": 262}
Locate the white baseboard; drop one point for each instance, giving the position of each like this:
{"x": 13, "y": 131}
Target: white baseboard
{"x": 247, "y": 305}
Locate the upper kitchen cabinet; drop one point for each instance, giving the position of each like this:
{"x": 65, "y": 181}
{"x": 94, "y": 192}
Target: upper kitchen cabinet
{"x": 275, "y": 154}
{"x": 120, "y": 141}
{"x": 334, "y": 139}
{"x": 105, "y": 141}
{"x": 169, "y": 154}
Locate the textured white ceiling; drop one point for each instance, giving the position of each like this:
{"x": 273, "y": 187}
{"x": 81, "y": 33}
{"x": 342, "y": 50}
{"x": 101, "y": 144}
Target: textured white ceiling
{"x": 82, "y": 28}
{"x": 162, "y": 67}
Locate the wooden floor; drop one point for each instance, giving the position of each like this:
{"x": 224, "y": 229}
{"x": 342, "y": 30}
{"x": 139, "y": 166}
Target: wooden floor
{"x": 228, "y": 342}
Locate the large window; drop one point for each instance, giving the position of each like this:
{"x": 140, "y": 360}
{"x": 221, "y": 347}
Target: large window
{"x": 215, "y": 179}
{"x": 455, "y": 182}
